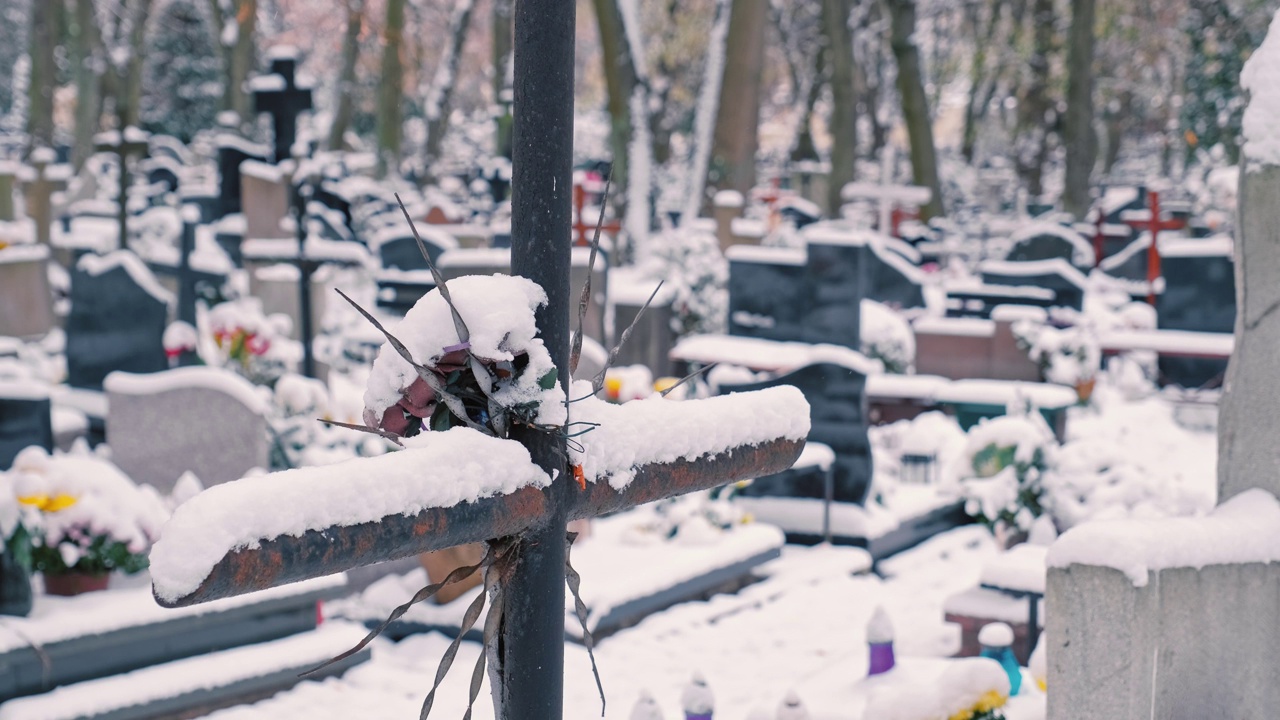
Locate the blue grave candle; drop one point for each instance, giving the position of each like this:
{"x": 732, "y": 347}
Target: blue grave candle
{"x": 697, "y": 700}
{"x": 997, "y": 641}
{"x": 880, "y": 642}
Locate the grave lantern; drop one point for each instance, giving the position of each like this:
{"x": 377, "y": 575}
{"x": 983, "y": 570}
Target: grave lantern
{"x": 919, "y": 468}
{"x": 997, "y": 643}
{"x": 880, "y": 643}
{"x": 697, "y": 700}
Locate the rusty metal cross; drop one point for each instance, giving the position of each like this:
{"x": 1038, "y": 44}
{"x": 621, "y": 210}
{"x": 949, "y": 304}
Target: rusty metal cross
{"x": 530, "y": 522}
{"x": 1152, "y": 223}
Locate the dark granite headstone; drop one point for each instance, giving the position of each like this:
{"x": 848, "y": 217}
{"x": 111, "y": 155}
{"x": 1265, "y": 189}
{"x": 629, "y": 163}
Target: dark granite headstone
{"x": 25, "y": 420}
{"x": 1130, "y": 262}
{"x": 1055, "y": 275}
{"x": 1200, "y": 296}
{"x": 766, "y": 293}
{"x": 402, "y": 253}
{"x": 231, "y": 152}
{"x": 838, "y": 418}
{"x": 1043, "y": 241}
{"x": 117, "y": 319}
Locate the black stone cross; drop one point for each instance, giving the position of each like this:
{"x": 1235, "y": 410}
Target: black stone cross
{"x": 130, "y": 143}
{"x": 284, "y": 100}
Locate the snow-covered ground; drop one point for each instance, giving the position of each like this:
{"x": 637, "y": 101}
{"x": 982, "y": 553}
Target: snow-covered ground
{"x": 802, "y": 627}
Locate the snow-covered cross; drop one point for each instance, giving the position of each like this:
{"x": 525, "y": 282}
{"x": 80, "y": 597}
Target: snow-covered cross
{"x": 886, "y": 195}
{"x": 1150, "y": 221}
{"x": 280, "y": 95}
{"x": 517, "y": 489}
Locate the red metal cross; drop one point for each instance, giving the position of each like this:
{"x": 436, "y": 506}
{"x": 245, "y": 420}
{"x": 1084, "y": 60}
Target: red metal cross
{"x": 582, "y": 230}
{"x": 1154, "y": 225}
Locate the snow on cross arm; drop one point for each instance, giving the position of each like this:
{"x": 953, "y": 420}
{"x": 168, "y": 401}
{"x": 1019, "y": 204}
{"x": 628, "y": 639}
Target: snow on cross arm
{"x": 436, "y": 470}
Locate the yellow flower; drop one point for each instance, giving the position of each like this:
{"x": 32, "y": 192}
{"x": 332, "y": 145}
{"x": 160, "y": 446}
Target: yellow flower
{"x": 663, "y": 384}
{"x": 44, "y": 503}
{"x": 1042, "y": 685}
{"x": 962, "y": 715}
{"x": 37, "y": 501}
{"x": 748, "y": 518}
{"x": 990, "y": 700}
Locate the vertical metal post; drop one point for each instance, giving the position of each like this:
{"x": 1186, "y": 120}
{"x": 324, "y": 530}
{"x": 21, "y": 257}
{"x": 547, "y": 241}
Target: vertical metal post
{"x": 305, "y": 331}
{"x": 187, "y": 283}
{"x": 532, "y": 644}
{"x": 122, "y": 212}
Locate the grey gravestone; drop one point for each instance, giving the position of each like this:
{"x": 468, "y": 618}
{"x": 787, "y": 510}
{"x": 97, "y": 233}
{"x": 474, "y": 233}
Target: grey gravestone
{"x": 1058, "y": 275}
{"x": 118, "y": 315}
{"x": 1200, "y": 296}
{"x": 205, "y": 420}
{"x": 397, "y": 248}
{"x": 264, "y": 200}
{"x": 26, "y": 300}
{"x": 25, "y": 420}
{"x": 1248, "y": 453}
{"x": 1046, "y": 241}
{"x": 838, "y": 418}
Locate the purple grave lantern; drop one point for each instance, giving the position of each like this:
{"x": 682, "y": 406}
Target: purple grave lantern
{"x": 880, "y": 642}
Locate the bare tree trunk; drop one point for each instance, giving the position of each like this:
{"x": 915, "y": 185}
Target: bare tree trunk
{"x": 733, "y": 155}
{"x": 620, "y": 80}
{"x": 242, "y": 60}
{"x": 390, "y": 89}
{"x": 86, "y": 59}
{"x": 980, "y": 88}
{"x": 915, "y": 107}
{"x": 804, "y": 147}
{"x": 1078, "y": 128}
{"x": 502, "y": 74}
{"x": 844, "y": 118}
{"x": 1034, "y": 125}
{"x": 43, "y": 80}
{"x": 345, "y": 106}
{"x": 440, "y": 99}
{"x": 130, "y": 87}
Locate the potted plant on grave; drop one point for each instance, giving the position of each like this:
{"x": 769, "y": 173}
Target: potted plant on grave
{"x": 89, "y": 520}
{"x": 1066, "y": 356}
{"x": 1004, "y": 468}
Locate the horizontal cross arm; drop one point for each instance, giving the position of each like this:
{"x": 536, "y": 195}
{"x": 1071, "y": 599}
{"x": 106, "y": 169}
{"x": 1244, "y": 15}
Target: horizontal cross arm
{"x": 315, "y": 553}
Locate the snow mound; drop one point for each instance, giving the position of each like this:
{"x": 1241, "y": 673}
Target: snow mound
{"x": 1261, "y": 77}
{"x": 1245, "y": 529}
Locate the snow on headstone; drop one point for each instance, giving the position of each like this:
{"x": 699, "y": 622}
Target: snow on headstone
{"x": 1248, "y": 455}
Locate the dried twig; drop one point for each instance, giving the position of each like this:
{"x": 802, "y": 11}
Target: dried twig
{"x": 364, "y": 429}
{"x": 575, "y": 348}
{"x": 580, "y": 609}
{"x": 598, "y": 382}
{"x": 689, "y": 377}
{"x": 463, "y": 334}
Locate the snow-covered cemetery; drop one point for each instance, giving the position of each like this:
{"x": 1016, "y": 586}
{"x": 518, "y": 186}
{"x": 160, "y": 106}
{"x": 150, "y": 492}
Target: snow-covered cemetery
{"x": 639, "y": 359}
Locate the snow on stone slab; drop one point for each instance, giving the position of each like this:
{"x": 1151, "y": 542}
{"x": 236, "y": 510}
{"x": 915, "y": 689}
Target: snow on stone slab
{"x": 761, "y": 354}
{"x": 729, "y": 199}
{"x": 208, "y": 378}
{"x": 1005, "y": 392}
{"x": 1169, "y": 342}
{"x": 962, "y": 327}
{"x": 437, "y": 470}
{"x": 56, "y": 619}
{"x": 1081, "y": 249}
{"x": 93, "y": 698}
{"x": 23, "y": 253}
{"x": 1021, "y": 569}
{"x": 1244, "y": 529}
{"x": 1261, "y": 77}
{"x": 659, "y": 430}
{"x": 767, "y": 255}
